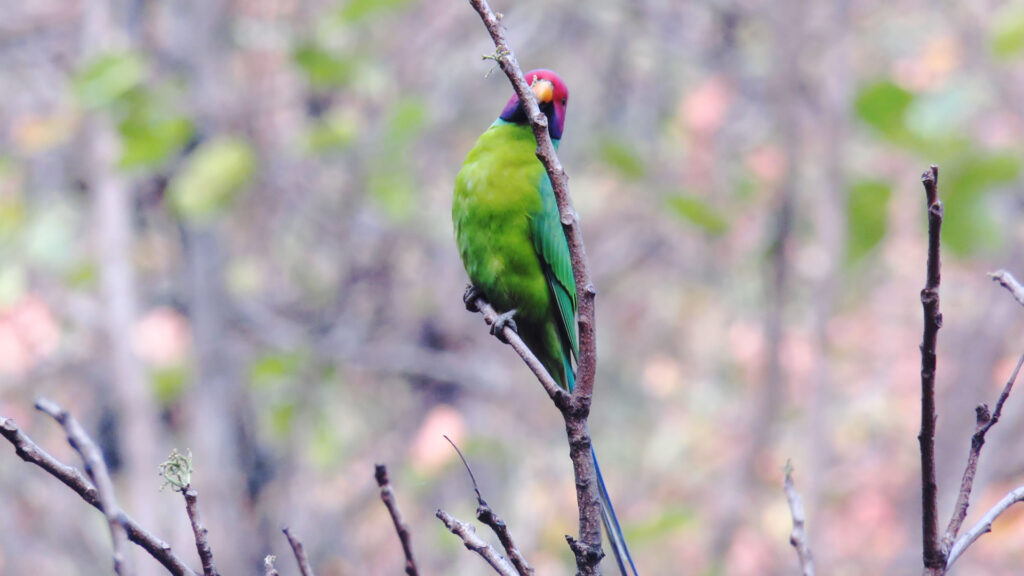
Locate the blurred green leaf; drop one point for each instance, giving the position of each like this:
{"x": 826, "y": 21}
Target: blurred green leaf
{"x": 697, "y": 211}
{"x": 357, "y": 10}
{"x": 282, "y": 416}
{"x": 1008, "y": 31}
{"x": 326, "y": 447}
{"x": 321, "y": 68}
{"x": 392, "y": 188}
{"x": 963, "y": 187}
{"x": 13, "y": 283}
{"x": 275, "y": 367}
{"x": 334, "y": 134}
{"x": 408, "y": 118}
{"x": 50, "y": 236}
{"x": 867, "y": 209}
{"x": 12, "y": 216}
{"x": 169, "y": 383}
{"x": 212, "y": 177}
{"x": 671, "y": 519}
{"x": 883, "y": 106}
{"x": 82, "y": 276}
{"x": 151, "y": 132}
{"x": 622, "y": 158}
{"x": 947, "y": 112}
{"x": 108, "y": 77}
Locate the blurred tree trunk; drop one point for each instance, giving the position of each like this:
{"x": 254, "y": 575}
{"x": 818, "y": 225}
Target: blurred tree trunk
{"x": 130, "y": 397}
{"x": 830, "y": 226}
{"x": 216, "y": 402}
{"x": 770, "y": 390}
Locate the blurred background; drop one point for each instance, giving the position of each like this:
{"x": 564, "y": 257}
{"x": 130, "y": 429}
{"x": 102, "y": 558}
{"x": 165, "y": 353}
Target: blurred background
{"x": 225, "y": 227}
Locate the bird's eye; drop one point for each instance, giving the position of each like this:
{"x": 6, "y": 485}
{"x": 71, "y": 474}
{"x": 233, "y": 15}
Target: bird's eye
{"x": 564, "y": 100}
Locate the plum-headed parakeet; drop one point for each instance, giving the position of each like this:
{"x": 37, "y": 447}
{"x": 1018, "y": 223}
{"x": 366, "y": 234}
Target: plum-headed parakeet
{"x": 510, "y": 237}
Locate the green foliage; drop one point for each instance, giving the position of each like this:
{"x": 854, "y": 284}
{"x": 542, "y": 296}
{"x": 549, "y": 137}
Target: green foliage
{"x": 322, "y": 69}
{"x": 358, "y": 10}
{"x": 274, "y": 367}
{"x": 937, "y": 119}
{"x": 12, "y": 216}
{"x": 407, "y": 120}
{"x": 282, "y": 417}
{"x": 82, "y": 276}
{"x": 391, "y": 182}
{"x": 49, "y": 238}
{"x": 107, "y": 78}
{"x": 866, "y": 217}
{"x": 1008, "y": 32}
{"x": 963, "y": 187}
{"x": 698, "y": 212}
{"x": 932, "y": 125}
{"x": 151, "y": 132}
{"x": 622, "y": 158}
{"x": 335, "y": 133}
{"x": 883, "y": 105}
{"x": 150, "y": 129}
{"x": 13, "y": 282}
{"x": 169, "y": 383}
{"x": 326, "y": 448}
{"x": 212, "y": 177}
{"x": 393, "y": 190}
{"x": 671, "y": 519}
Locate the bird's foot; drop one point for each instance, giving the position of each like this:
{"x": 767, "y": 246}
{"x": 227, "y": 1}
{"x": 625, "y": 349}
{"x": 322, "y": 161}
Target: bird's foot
{"x": 503, "y": 321}
{"x": 469, "y": 297}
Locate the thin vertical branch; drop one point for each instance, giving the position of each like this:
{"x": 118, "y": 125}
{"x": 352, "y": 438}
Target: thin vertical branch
{"x": 200, "y": 531}
{"x": 96, "y": 468}
{"x": 934, "y": 559}
{"x": 387, "y": 495}
{"x": 587, "y": 548}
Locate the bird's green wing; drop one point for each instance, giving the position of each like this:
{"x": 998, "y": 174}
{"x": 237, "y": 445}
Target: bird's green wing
{"x": 553, "y": 249}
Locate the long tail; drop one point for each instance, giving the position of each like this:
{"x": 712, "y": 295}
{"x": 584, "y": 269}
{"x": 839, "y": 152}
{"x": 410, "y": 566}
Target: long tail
{"x": 611, "y": 525}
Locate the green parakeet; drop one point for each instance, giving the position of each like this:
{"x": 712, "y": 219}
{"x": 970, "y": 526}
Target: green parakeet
{"x": 510, "y": 237}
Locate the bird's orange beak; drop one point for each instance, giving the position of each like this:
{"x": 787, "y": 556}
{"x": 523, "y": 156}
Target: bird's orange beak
{"x": 543, "y": 90}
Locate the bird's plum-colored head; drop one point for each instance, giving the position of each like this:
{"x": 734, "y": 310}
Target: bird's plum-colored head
{"x": 552, "y": 96}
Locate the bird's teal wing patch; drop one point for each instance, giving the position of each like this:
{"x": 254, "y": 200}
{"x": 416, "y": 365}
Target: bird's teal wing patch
{"x": 550, "y": 243}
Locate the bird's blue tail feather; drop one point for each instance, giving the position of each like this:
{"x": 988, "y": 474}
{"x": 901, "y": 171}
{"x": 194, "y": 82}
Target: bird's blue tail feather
{"x": 611, "y": 525}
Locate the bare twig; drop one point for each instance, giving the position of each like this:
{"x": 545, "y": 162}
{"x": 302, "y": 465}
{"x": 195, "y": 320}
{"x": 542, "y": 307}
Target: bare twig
{"x": 96, "y": 468}
{"x": 200, "y": 531}
{"x": 984, "y": 525}
{"x": 934, "y": 559}
{"x": 1006, "y": 280}
{"x": 387, "y": 495}
{"x": 485, "y": 514}
{"x": 268, "y": 566}
{"x": 71, "y": 477}
{"x": 300, "y": 553}
{"x": 477, "y": 544}
{"x": 587, "y": 549}
{"x": 985, "y": 421}
{"x": 798, "y": 537}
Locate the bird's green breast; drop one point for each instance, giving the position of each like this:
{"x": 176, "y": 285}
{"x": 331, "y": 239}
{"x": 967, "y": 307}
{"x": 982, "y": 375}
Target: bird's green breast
{"x": 497, "y": 192}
